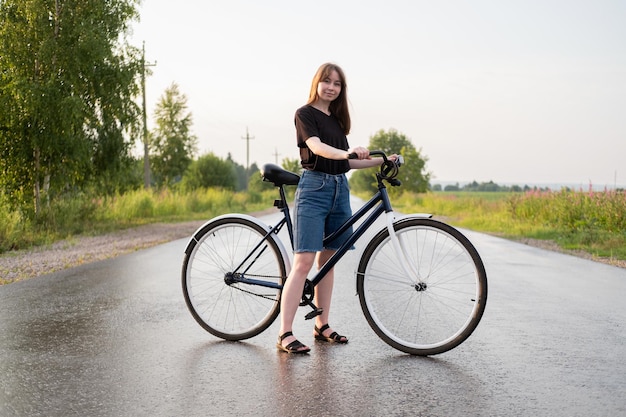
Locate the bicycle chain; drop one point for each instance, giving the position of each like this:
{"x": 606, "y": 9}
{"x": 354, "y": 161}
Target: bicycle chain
{"x": 254, "y": 293}
{"x": 258, "y": 295}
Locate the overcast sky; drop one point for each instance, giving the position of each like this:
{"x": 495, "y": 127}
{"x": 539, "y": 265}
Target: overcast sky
{"x": 521, "y": 92}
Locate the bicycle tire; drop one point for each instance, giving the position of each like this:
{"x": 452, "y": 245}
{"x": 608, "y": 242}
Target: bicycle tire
{"x": 234, "y": 311}
{"x": 439, "y": 312}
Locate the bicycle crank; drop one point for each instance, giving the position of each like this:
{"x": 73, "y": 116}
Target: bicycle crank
{"x": 307, "y": 300}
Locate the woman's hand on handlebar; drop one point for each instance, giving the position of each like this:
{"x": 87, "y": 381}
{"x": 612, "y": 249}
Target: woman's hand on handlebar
{"x": 356, "y": 160}
{"x": 359, "y": 153}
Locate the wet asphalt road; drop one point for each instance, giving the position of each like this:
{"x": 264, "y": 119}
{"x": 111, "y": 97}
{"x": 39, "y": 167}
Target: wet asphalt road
{"x": 114, "y": 338}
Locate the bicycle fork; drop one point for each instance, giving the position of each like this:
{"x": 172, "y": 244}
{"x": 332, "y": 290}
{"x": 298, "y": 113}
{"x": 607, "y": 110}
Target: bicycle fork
{"x": 410, "y": 269}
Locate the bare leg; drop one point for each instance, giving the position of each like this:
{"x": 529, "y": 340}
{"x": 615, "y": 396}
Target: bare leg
{"x": 292, "y": 292}
{"x": 324, "y": 290}
{"x": 324, "y": 293}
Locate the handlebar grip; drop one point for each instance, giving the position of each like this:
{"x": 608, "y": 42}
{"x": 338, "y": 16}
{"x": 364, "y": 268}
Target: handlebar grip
{"x": 353, "y": 155}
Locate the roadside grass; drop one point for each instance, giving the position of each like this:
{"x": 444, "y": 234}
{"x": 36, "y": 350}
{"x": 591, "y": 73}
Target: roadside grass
{"x": 593, "y": 222}
{"x": 86, "y": 215}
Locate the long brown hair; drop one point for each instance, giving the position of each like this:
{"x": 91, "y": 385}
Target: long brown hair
{"x": 339, "y": 106}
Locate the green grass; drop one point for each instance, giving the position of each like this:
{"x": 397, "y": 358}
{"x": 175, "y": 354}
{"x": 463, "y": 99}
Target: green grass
{"x": 594, "y": 222}
{"x": 86, "y": 215}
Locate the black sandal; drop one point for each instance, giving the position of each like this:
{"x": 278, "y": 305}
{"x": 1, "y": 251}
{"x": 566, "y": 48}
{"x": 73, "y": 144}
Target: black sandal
{"x": 293, "y": 347}
{"x": 333, "y": 338}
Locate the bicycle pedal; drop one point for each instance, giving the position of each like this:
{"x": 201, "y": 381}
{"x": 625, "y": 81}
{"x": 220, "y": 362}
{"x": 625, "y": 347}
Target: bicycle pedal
{"x": 316, "y": 312}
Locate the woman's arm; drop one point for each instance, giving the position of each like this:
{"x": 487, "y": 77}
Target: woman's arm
{"x": 364, "y": 163}
{"x": 364, "y": 160}
{"x": 368, "y": 163}
{"x": 329, "y": 152}
{"x": 319, "y": 148}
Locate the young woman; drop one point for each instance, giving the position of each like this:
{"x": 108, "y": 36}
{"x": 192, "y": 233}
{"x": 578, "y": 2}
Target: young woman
{"x": 322, "y": 200}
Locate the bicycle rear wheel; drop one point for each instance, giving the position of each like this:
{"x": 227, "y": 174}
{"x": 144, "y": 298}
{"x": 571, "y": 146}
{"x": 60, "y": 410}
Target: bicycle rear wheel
{"x": 435, "y": 312}
{"x": 224, "y": 307}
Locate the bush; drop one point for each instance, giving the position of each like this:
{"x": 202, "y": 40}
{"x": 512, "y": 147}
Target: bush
{"x": 12, "y": 226}
{"x": 67, "y": 215}
{"x": 210, "y": 171}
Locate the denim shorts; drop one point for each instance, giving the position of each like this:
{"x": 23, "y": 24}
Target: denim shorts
{"x": 322, "y": 205}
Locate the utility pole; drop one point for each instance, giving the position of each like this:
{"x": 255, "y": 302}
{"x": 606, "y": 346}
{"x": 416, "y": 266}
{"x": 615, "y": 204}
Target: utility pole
{"x": 276, "y": 155}
{"x": 146, "y": 156}
{"x": 247, "y": 138}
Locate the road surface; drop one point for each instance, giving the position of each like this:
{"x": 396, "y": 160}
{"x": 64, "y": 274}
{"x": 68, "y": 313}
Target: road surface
{"x": 114, "y": 338}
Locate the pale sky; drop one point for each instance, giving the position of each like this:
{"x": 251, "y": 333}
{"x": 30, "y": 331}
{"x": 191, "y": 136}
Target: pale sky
{"x": 523, "y": 92}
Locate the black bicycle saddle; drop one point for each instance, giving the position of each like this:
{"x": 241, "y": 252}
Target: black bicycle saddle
{"x": 278, "y": 176}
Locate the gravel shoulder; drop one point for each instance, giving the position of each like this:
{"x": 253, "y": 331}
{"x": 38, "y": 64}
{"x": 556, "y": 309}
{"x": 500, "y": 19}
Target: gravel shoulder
{"x": 19, "y": 265}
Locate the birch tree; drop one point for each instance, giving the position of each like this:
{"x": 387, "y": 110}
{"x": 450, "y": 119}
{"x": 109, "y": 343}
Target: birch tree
{"x": 68, "y": 79}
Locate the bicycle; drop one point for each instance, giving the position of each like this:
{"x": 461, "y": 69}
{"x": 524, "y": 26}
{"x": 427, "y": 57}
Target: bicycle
{"x": 421, "y": 284}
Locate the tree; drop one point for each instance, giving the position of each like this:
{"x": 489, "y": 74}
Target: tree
{"x": 292, "y": 165}
{"x": 255, "y": 181}
{"x": 240, "y": 171}
{"x": 210, "y": 171}
{"x": 172, "y": 144}
{"x": 413, "y": 173}
{"x": 67, "y": 83}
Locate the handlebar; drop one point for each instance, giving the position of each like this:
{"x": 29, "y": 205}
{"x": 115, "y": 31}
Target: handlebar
{"x": 388, "y": 169}
{"x": 382, "y": 154}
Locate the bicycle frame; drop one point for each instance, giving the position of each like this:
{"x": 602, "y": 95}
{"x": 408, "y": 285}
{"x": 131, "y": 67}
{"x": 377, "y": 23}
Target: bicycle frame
{"x": 379, "y": 203}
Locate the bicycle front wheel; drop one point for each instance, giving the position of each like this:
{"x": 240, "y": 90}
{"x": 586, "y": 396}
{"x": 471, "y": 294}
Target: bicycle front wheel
{"x": 226, "y": 307}
{"x": 440, "y": 304}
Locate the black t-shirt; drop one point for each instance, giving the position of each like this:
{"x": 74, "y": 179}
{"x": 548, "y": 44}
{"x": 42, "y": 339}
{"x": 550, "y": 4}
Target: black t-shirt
{"x": 313, "y": 122}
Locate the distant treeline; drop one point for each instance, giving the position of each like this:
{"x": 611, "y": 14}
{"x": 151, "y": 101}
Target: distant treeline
{"x": 487, "y": 186}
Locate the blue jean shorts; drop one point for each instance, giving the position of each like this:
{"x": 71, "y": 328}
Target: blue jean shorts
{"x": 322, "y": 205}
